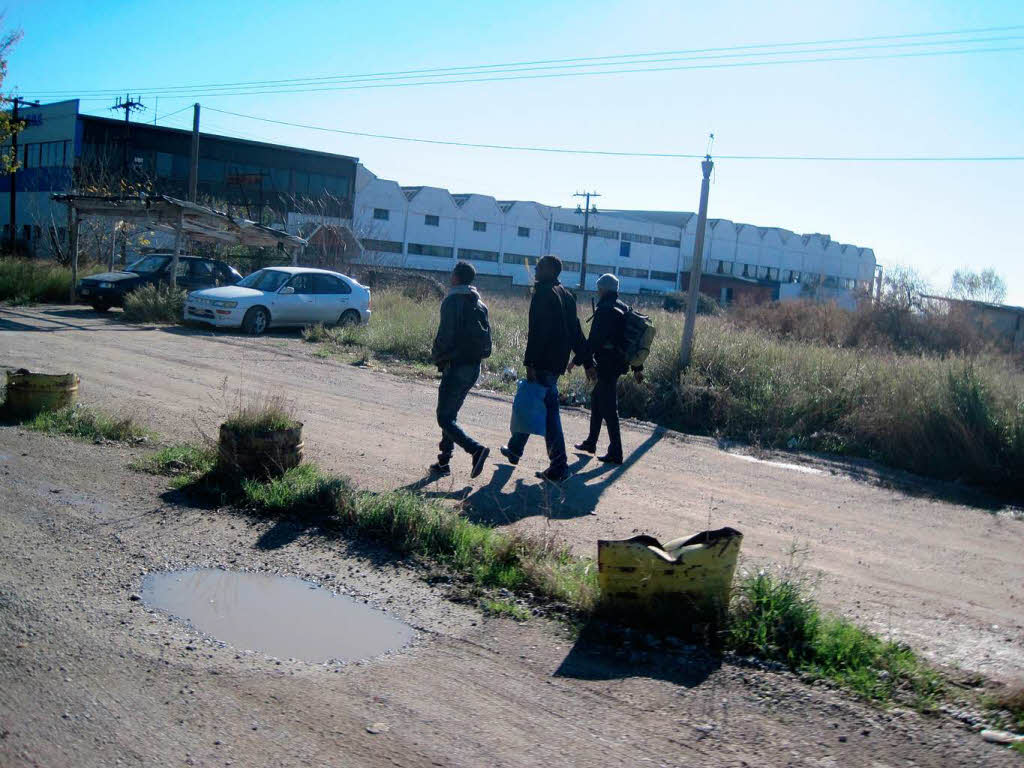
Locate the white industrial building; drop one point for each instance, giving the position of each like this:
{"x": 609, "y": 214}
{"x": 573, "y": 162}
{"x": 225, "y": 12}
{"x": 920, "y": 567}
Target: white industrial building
{"x": 429, "y": 228}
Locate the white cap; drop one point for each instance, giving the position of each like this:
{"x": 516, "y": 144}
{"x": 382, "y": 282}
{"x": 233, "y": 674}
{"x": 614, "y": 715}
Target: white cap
{"x": 608, "y": 280}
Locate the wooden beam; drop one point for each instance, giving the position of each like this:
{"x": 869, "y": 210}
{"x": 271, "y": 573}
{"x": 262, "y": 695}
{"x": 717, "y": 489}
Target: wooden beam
{"x": 177, "y": 247}
{"x": 74, "y": 257}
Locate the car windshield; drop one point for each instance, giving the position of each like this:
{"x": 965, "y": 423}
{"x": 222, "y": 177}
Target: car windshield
{"x": 265, "y": 280}
{"x": 148, "y": 264}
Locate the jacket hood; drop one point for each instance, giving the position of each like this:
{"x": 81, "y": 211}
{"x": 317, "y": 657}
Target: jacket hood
{"x": 465, "y": 290}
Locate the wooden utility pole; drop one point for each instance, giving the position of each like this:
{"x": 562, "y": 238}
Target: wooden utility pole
{"x": 74, "y": 219}
{"x": 686, "y": 346}
{"x": 586, "y": 235}
{"x": 129, "y": 105}
{"x": 177, "y": 247}
{"x": 193, "y": 170}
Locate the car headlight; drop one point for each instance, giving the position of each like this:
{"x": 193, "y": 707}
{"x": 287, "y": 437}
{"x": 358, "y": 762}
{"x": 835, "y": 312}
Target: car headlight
{"x": 106, "y": 285}
{"x": 225, "y": 304}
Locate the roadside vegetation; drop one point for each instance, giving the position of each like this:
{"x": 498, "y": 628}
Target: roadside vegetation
{"x": 772, "y": 616}
{"x": 154, "y": 304}
{"x": 29, "y": 281}
{"x": 260, "y": 414}
{"x": 87, "y": 423}
{"x": 958, "y": 415}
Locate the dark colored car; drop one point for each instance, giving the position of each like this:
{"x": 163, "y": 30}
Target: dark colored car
{"x": 108, "y": 289}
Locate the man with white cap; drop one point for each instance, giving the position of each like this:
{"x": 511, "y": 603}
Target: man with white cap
{"x": 605, "y": 361}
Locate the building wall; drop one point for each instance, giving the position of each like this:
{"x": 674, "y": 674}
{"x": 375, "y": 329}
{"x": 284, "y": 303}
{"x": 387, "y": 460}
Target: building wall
{"x": 646, "y": 252}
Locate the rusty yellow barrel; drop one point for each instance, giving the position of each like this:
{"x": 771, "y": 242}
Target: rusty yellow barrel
{"x": 29, "y": 393}
{"x": 641, "y": 572}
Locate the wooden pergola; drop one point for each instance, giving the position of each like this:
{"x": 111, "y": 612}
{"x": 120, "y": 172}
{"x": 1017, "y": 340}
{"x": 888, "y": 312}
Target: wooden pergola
{"x": 186, "y": 220}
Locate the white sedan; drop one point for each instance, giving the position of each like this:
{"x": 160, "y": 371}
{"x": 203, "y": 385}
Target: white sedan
{"x": 282, "y": 296}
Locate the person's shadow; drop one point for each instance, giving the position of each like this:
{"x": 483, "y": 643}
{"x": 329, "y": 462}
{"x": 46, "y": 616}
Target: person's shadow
{"x": 497, "y": 503}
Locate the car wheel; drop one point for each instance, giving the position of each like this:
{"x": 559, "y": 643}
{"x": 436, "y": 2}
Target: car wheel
{"x": 101, "y": 307}
{"x": 349, "y": 317}
{"x": 256, "y": 321}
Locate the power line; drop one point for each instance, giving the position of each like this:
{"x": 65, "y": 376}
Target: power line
{"x": 572, "y": 62}
{"x": 612, "y": 153}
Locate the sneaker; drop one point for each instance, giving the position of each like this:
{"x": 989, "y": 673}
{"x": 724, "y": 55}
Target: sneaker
{"x": 512, "y": 458}
{"x": 554, "y": 476}
{"x": 586, "y": 447}
{"x": 437, "y": 469}
{"x": 610, "y": 458}
{"x": 479, "y": 459}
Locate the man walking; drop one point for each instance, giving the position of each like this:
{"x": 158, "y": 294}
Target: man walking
{"x": 463, "y": 340}
{"x": 605, "y": 361}
{"x": 554, "y": 330}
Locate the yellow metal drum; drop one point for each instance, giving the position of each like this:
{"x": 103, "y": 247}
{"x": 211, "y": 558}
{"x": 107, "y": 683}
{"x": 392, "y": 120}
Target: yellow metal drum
{"x": 29, "y": 393}
{"x": 639, "y": 572}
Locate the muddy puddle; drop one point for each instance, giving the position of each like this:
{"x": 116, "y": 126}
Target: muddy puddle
{"x": 282, "y": 617}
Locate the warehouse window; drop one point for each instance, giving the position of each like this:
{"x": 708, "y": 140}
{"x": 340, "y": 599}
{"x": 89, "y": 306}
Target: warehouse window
{"x": 668, "y": 277}
{"x": 524, "y": 231}
{"x": 381, "y": 246}
{"x": 624, "y": 247}
{"x": 560, "y": 227}
{"x": 520, "y": 258}
{"x": 667, "y": 243}
{"x": 381, "y": 214}
{"x": 632, "y": 272}
{"x": 479, "y": 226}
{"x": 431, "y": 221}
{"x": 474, "y": 255}
{"x": 440, "y": 251}
{"x": 636, "y": 238}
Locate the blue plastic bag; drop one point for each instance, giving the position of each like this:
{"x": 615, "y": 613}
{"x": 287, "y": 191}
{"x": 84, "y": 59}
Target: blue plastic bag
{"x": 529, "y": 414}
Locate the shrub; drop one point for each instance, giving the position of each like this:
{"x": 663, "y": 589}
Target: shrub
{"x": 26, "y": 281}
{"x": 677, "y": 301}
{"x": 260, "y": 415}
{"x": 154, "y": 304}
{"x": 184, "y": 462}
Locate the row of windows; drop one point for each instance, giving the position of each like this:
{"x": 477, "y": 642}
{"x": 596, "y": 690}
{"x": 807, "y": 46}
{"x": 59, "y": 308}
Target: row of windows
{"x": 431, "y": 220}
{"x": 420, "y": 249}
{"x": 475, "y": 255}
{"x": 381, "y": 246}
{"x": 611, "y": 234}
{"x": 636, "y": 238}
{"x": 46, "y": 154}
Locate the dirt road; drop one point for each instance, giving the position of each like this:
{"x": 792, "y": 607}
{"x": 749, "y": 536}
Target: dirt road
{"x": 945, "y": 575}
{"x": 89, "y": 677}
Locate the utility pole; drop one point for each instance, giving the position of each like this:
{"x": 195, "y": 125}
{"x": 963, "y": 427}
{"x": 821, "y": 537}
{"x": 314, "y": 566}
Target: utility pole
{"x": 586, "y": 234}
{"x": 15, "y": 130}
{"x": 686, "y": 346}
{"x": 129, "y": 105}
{"x": 193, "y": 170}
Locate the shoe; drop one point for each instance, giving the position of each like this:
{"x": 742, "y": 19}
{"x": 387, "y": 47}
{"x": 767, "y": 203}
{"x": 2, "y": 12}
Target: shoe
{"x": 610, "y": 458}
{"x": 559, "y": 476}
{"x": 479, "y": 459}
{"x": 437, "y": 469}
{"x": 512, "y": 458}
{"x": 586, "y": 447}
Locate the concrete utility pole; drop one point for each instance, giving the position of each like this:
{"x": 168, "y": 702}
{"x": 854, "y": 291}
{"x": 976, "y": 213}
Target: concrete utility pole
{"x": 586, "y": 234}
{"x": 193, "y": 170}
{"x": 129, "y": 105}
{"x": 686, "y": 346}
{"x": 16, "y": 101}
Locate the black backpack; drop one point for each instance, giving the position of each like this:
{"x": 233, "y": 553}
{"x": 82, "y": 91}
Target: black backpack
{"x": 475, "y": 332}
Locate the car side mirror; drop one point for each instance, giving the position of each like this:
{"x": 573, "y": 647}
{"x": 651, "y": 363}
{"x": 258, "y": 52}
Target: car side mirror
{"x": 287, "y": 290}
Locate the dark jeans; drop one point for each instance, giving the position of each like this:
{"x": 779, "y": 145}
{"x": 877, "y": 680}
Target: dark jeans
{"x": 456, "y": 381}
{"x": 552, "y": 428}
{"x": 604, "y": 406}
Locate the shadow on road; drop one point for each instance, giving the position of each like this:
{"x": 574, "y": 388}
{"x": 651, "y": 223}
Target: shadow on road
{"x": 607, "y": 652}
{"x": 54, "y": 321}
{"x": 498, "y": 504}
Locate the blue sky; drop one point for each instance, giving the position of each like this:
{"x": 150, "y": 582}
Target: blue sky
{"x": 934, "y": 217}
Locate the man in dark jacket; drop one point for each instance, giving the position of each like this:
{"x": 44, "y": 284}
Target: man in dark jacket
{"x": 605, "y": 362}
{"x": 554, "y": 331}
{"x": 463, "y": 340}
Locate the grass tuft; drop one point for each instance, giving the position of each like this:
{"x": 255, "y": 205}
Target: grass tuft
{"x": 773, "y": 617}
{"x": 85, "y": 423}
{"x": 504, "y": 608}
{"x": 154, "y": 304}
{"x": 28, "y": 281}
{"x": 183, "y": 462}
{"x": 262, "y": 415}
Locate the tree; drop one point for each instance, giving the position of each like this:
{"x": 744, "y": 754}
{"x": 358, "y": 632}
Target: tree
{"x": 8, "y": 126}
{"x": 902, "y": 288}
{"x": 987, "y": 285}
